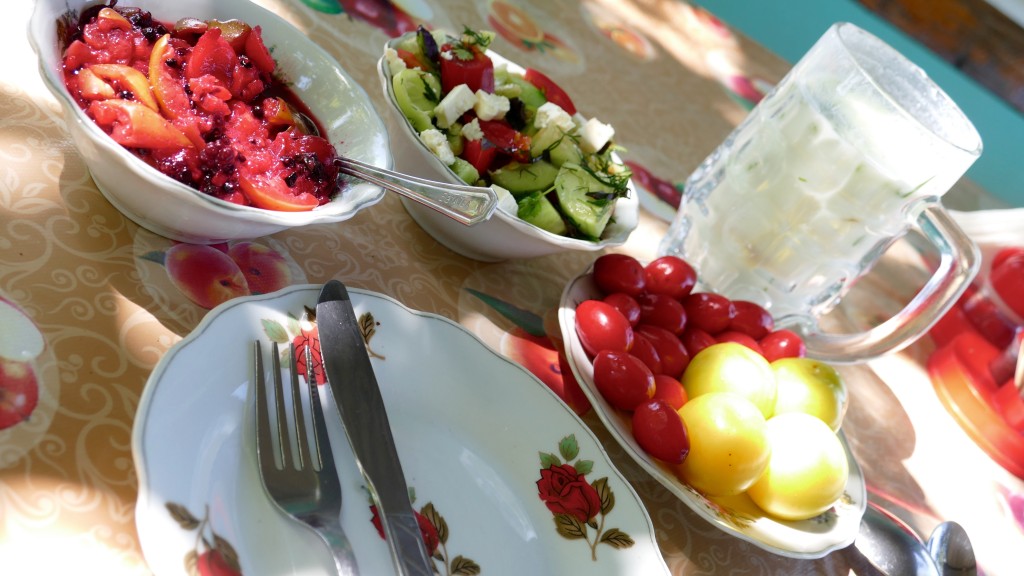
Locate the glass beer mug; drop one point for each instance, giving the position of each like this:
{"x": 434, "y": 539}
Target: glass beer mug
{"x": 853, "y": 149}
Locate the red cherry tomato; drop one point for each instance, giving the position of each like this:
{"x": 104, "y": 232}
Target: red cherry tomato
{"x": 660, "y": 431}
{"x": 674, "y": 357}
{"x": 710, "y": 312}
{"x": 553, "y": 92}
{"x": 477, "y": 71}
{"x": 601, "y": 327}
{"x": 647, "y": 353}
{"x": 626, "y": 304}
{"x": 622, "y": 379}
{"x": 619, "y": 273}
{"x": 751, "y": 319}
{"x": 662, "y": 310}
{"x": 669, "y": 390}
{"x": 670, "y": 275}
{"x": 506, "y": 139}
{"x": 480, "y": 153}
{"x": 782, "y": 344}
{"x": 695, "y": 340}
{"x": 739, "y": 338}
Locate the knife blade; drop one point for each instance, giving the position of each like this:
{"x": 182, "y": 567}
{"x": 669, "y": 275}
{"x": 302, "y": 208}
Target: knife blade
{"x": 357, "y": 396}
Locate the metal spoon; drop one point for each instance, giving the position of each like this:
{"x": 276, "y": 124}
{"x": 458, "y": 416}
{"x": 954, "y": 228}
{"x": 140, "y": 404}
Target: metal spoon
{"x": 951, "y": 550}
{"x": 891, "y": 548}
{"x": 468, "y": 205}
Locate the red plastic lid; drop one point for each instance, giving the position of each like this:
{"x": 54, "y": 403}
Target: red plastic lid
{"x": 961, "y": 377}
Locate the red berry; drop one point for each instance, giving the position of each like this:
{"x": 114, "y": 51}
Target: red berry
{"x": 647, "y": 353}
{"x": 619, "y": 273}
{"x": 674, "y": 357}
{"x": 662, "y": 310}
{"x": 622, "y": 379}
{"x": 751, "y": 319}
{"x": 669, "y": 390}
{"x": 739, "y": 338}
{"x": 710, "y": 312}
{"x": 600, "y": 326}
{"x": 670, "y": 275}
{"x": 626, "y": 304}
{"x": 695, "y": 340}
{"x": 660, "y": 431}
{"x": 782, "y": 344}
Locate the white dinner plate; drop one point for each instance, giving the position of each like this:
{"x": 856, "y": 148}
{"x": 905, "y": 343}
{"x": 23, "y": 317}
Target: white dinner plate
{"x": 834, "y": 529}
{"x": 473, "y": 430}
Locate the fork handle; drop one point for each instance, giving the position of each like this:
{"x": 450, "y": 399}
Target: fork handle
{"x": 341, "y": 549}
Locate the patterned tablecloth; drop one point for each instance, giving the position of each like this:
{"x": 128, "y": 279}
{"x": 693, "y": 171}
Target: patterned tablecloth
{"x": 670, "y": 77}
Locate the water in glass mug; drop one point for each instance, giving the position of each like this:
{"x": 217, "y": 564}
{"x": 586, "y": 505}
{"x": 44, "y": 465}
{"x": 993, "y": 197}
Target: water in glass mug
{"x": 815, "y": 184}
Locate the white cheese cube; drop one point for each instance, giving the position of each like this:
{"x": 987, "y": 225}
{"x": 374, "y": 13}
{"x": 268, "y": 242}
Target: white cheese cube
{"x": 490, "y": 106}
{"x": 551, "y": 113}
{"x": 395, "y": 63}
{"x": 594, "y": 135}
{"x": 472, "y": 130}
{"x": 437, "y": 143}
{"x": 456, "y": 103}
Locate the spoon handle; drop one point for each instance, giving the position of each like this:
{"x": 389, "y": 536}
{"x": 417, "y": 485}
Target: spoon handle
{"x": 466, "y": 204}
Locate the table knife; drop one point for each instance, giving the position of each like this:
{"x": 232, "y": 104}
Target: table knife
{"x": 357, "y": 395}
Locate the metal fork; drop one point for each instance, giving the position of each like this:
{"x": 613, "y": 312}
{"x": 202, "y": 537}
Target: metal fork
{"x": 305, "y": 486}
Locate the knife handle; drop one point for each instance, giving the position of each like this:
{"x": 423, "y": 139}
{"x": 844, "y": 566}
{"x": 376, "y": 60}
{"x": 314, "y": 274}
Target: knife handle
{"x": 406, "y": 542}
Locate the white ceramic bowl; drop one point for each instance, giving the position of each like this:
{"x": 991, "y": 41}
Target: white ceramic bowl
{"x": 174, "y": 210}
{"x": 504, "y": 236}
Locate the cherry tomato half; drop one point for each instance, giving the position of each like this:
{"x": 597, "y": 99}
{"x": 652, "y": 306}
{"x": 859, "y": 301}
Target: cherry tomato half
{"x": 601, "y": 327}
{"x": 553, "y": 92}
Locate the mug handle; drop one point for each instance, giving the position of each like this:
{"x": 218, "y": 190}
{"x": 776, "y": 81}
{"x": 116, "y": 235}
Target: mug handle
{"x": 959, "y": 262}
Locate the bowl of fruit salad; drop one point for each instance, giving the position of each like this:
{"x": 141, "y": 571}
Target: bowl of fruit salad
{"x": 461, "y": 113}
{"x": 718, "y": 404}
{"x": 206, "y": 121}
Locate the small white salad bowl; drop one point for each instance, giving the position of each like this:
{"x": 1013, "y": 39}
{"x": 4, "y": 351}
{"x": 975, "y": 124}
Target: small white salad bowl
{"x": 504, "y": 236}
{"x": 174, "y": 210}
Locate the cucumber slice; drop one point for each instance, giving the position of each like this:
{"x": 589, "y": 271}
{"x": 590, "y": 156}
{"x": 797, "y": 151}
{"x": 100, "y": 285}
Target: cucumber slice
{"x": 416, "y": 95}
{"x": 538, "y": 210}
{"x": 530, "y": 95}
{"x": 575, "y": 187}
{"x": 521, "y": 179}
{"x": 566, "y": 152}
{"x": 464, "y": 170}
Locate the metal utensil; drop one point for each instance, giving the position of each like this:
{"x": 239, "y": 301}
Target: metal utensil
{"x": 354, "y": 388}
{"x": 890, "y": 547}
{"x": 950, "y": 548}
{"x": 305, "y": 486}
{"x": 466, "y": 204}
